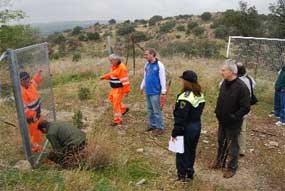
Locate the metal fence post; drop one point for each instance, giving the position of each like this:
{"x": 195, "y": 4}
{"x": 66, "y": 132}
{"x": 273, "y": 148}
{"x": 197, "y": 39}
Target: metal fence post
{"x": 19, "y": 105}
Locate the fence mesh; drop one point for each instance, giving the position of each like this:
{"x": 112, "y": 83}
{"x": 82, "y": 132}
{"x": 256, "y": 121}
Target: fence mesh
{"x": 263, "y": 52}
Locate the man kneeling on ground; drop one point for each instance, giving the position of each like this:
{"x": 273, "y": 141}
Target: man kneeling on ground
{"x": 68, "y": 143}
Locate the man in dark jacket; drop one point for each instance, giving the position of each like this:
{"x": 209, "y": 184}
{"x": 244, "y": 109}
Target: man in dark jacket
{"x": 232, "y": 104}
{"x": 67, "y": 141}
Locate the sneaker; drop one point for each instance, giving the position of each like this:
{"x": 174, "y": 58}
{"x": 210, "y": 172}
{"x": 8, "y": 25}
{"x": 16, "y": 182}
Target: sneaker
{"x": 127, "y": 109}
{"x": 229, "y": 174}
{"x": 279, "y": 123}
{"x": 272, "y": 115}
{"x": 183, "y": 179}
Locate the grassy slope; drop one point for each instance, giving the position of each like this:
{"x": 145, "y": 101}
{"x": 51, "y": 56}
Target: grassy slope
{"x": 261, "y": 170}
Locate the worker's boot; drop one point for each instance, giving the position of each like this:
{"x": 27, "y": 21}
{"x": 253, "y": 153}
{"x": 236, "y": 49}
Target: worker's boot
{"x": 229, "y": 173}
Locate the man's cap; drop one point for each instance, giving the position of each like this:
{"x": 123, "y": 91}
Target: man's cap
{"x": 24, "y": 75}
{"x": 189, "y": 76}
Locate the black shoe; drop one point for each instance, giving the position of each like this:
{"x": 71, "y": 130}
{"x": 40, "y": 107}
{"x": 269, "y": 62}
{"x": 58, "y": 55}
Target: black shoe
{"x": 149, "y": 129}
{"x": 189, "y": 175}
{"x": 127, "y": 109}
{"x": 113, "y": 124}
{"x": 182, "y": 178}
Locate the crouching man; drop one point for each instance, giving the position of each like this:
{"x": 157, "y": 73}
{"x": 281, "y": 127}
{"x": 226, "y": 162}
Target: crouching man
{"x": 68, "y": 143}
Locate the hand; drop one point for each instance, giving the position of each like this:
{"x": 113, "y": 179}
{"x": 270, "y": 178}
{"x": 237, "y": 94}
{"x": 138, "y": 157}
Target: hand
{"x": 102, "y": 78}
{"x": 126, "y": 94}
{"x": 173, "y": 139}
{"x": 162, "y": 100}
{"x": 141, "y": 91}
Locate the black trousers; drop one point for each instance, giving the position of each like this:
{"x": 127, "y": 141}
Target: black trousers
{"x": 228, "y": 146}
{"x": 185, "y": 162}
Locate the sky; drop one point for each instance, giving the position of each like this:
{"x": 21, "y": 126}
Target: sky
{"x": 66, "y": 10}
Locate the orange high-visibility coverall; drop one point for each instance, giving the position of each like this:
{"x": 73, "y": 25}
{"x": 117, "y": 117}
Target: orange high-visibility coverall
{"x": 120, "y": 85}
{"x": 32, "y": 107}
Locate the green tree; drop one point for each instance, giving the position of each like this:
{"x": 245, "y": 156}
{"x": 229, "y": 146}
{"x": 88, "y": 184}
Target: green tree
{"x": 278, "y": 19}
{"x": 112, "y": 21}
{"x": 125, "y": 29}
{"x": 166, "y": 27}
{"x": 206, "y": 16}
{"x": 93, "y": 36}
{"x": 77, "y": 30}
{"x": 154, "y": 19}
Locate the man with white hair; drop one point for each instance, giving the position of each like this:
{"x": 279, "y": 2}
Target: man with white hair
{"x": 119, "y": 82}
{"x": 232, "y": 104}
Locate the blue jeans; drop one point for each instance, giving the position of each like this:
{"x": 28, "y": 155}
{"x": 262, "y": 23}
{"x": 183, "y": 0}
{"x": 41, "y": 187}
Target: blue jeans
{"x": 279, "y": 105}
{"x": 154, "y": 112}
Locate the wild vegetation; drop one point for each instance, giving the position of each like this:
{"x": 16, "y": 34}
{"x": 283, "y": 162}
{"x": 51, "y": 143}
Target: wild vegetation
{"x": 128, "y": 158}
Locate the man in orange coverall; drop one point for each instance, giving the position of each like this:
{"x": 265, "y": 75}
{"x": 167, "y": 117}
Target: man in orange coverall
{"x": 119, "y": 82}
{"x": 32, "y": 107}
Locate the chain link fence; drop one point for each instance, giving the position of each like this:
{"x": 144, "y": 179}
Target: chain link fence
{"x": 32, "y": 59}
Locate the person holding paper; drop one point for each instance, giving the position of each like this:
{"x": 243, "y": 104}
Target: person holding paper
{"x": 187, "y": 122}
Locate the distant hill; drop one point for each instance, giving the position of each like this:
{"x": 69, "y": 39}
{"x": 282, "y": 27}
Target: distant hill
{"x": 52, "y": 27}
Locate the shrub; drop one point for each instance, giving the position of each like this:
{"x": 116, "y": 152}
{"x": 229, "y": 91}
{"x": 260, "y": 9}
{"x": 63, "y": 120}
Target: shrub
{"x": 181, "y": 28}
{"x": 125, "y": 29}
{"x": 76, "y": 57}
{"x": 93, "y": 36}
{"x": 83, "y": 37}
{"x": 192, "y": 25}
{"x": 221, "y": 32}
{"x": 154, "y": 19}
{"x": 112, "y": 21}
{"x": 198, "y": 31}
{"x": 140, "y": 36}
{"x": 76, "y": 30}
{"x": 166, "y": 27}
{"x": 83, "y": 93}
{"x": 206, "y": 16}
{"x": 77, "y": 119}
{"x": 100, "y": 153}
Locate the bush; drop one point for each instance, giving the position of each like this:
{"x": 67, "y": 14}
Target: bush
{"x": 181, "y": 28}
{"x": 206, "y": 16}
{"x": 112, "y": 21}
{"x": 84, "y": 93}
{"x": 83, "y": 37}
{"x": 77, "y": 119}
{"x": 76, "y": 30}
{"x": 76, "y": 57}
{"x": 166, "y": 27}
{"x": 93, "y": 36}
{"x": 221, "y": 32}
{"x": 140, "y": 36}
{"x": 192, "y": 25}
{"x": 100, "y": 153}
{"x": 125, "y": 29}
{"x": 154, "y": 19}
{"x": 198, "y": 31}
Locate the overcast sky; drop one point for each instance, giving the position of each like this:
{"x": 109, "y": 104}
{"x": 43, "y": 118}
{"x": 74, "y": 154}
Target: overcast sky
{"x": 63, "y": 10}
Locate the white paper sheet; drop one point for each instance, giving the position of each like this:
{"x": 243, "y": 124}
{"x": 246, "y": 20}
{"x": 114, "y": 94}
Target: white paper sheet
{"x": 177, "y": 146}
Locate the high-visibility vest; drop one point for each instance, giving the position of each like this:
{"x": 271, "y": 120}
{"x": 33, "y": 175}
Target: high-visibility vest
{"x": 31, "y": 98}
{"x": 191, "y": 98}
{"x": 118, "y": 77}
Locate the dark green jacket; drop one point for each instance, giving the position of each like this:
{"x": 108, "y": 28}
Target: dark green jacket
{"x": 63, "y": 136}
{"x": 280, "y": 82}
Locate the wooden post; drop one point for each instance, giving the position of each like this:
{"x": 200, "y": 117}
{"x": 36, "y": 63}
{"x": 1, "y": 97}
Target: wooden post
{"x": 134, "y": 57}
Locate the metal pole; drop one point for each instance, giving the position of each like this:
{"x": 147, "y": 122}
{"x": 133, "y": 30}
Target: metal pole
{"x": 20, "y": 106}
{"x": 134, "y": 57}
{"x": 228, "y": 49}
